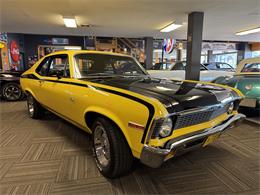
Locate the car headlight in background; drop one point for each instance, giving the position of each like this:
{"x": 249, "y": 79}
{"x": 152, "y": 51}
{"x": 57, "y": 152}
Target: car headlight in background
{"x": 230, "y": 108}
{"x": 166, "y": 128}
{"x": 248, "y": 87}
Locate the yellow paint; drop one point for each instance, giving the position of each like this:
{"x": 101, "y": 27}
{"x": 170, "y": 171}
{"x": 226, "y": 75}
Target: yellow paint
{"x": 211, "y": 139}
{"x": 73, "y": 102}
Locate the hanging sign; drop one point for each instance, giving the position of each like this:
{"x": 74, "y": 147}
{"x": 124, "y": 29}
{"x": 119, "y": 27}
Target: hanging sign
{"x": 218, "y": 46}
{"x": 60, "y": 41}
{"x": 14, "y": 50}
{"x": 168, "y": 45}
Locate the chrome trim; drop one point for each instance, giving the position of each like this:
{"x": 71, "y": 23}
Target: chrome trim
{"x": 136, "y": 125}
{"x": 200, "y": 109}
{"x": 155, "y": 156}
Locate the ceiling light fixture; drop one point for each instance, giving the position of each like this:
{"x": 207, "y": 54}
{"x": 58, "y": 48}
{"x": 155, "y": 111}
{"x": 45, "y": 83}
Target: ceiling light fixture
{"x": 70, "y": 22}
{"x": 246, "y": 32}
{"x": 170, "y": 27}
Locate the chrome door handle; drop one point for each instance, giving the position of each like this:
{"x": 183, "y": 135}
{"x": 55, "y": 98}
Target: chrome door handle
{"x": 72, "y": 99}
{"x": 41, "y": 80}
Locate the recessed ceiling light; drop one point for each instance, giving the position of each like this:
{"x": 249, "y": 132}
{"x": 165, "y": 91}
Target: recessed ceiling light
{"x": 246, "y": 32}
{"x": 70, "y": 22}
{"x": 170, "y": 27}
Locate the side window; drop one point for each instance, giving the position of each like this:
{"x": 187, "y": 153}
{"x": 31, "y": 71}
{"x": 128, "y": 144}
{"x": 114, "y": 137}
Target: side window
{"x": 212, "y": 66}
{"x": 178, "y": 66}
{"x": 59, "y": 63}
{"x": 251, "y": 67}
{"x": 224, "y": 66}
{"x": 42, "y": 69}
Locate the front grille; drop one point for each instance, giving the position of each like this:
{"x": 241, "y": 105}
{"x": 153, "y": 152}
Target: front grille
{"x": 197, "y": 117}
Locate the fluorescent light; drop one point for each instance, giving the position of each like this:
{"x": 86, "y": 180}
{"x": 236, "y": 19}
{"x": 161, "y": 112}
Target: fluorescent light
{"x": 70, "y": 22}
{"x": 246, "y": 32}
{"x": 170, "y": 27}
{"x": 72, "y": 47}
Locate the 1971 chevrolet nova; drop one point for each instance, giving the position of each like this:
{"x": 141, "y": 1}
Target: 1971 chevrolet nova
{"x": 128, "y": 113}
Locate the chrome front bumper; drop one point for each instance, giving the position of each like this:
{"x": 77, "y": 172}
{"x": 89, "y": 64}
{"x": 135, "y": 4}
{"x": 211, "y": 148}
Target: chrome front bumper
{"x": 154, "y": 156}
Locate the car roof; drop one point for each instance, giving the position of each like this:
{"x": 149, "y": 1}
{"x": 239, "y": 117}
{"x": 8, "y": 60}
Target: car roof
{"x": 74, "y": 52}
{"x": 241, "y": 65}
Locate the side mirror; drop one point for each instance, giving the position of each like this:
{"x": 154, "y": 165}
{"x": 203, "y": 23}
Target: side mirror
{"x": 59, "y": 74}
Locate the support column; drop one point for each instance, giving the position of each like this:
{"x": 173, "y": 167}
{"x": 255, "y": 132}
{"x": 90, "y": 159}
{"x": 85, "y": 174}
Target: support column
{"x": 179, "y": 54}
{"x": 194, "y": 41}
{"x": 210, "y": 53}
{"x": 149, "y": 52}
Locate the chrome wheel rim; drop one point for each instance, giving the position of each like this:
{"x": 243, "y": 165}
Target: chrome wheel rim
{"x": 30, "y": 105}
{"x": 12, "y": 92}
{"x": 101, "y": 146}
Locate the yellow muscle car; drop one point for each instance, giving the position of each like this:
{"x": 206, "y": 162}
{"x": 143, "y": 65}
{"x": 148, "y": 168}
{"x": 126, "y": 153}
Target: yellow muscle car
{"x": 128, "y": 113}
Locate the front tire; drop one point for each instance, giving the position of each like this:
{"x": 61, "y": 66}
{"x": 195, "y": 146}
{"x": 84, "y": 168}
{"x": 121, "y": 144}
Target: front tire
{"x": 35, "y": 110}
{"x": 111, "y": 151}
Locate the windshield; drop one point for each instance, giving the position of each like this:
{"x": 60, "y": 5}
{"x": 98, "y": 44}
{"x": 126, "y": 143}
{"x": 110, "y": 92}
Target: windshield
{"x": 106, "y": 65}
{"x": 252, "y": 67}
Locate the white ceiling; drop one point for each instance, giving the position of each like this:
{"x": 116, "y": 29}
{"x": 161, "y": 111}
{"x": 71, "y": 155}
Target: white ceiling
{"x": 131, "y": 18}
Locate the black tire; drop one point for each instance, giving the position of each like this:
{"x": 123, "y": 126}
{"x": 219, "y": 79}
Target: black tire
{"x": 35, "y": 110}
{"x": 121, "y": 158}
{"x": 12, "y": 92}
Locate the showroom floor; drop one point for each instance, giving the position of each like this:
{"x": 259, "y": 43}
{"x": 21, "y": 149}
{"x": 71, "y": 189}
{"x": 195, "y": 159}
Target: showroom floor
{"x": 50, "y": 156}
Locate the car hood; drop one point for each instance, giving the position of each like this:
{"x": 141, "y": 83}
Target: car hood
{"x": 175, "y": 95}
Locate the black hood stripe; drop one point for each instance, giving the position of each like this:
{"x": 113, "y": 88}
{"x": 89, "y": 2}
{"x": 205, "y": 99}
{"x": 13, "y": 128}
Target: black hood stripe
{"x": 148, "y": 105}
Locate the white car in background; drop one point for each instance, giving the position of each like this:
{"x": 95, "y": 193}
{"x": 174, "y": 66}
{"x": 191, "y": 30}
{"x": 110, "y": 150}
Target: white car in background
{"x": 177, "y": 71}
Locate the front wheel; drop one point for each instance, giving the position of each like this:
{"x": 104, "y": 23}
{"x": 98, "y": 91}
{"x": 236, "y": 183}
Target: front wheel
{"x": 111, "y": 151}
{"x": 35, "y": 110}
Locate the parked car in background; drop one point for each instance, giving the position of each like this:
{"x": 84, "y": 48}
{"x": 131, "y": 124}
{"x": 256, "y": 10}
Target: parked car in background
{"x": 177, "y": 71}
{"x": 162, "y": 66}
{"x": 10, "y": 85}
{"x": 247, "y": 80}
{"x": 128, "y": 113}
{"x": 219, "y": 66}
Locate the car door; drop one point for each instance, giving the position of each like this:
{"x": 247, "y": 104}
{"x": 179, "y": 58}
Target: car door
{"x": 54, "y": 85}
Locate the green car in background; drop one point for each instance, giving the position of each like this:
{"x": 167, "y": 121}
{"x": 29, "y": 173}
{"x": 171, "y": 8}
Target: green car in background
{"x": 247, "y": 80}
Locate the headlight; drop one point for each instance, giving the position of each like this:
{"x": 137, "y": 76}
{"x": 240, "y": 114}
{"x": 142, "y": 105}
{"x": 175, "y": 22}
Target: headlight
{"x": 248, "y": 87}
{"x": 230, "y": 108}
{"x": 166, "y": 127}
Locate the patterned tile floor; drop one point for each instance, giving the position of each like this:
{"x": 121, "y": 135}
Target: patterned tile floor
{"x": 50, "y": 156}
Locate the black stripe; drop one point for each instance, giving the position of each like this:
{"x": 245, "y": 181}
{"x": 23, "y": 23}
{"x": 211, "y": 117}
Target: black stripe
{"x": 66, "y": 82}
{"x": 148, "y": 105}
{"x": 32, "y": 76}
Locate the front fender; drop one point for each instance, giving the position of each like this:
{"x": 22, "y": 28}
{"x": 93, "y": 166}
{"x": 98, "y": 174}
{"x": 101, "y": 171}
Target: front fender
{"x": 112, "y": 116}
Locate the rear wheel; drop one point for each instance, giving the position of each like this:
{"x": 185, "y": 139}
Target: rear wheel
{"x": 35, "y": 110}
{"x": 12, "y": 92}
{"x": 112, "y": 153}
